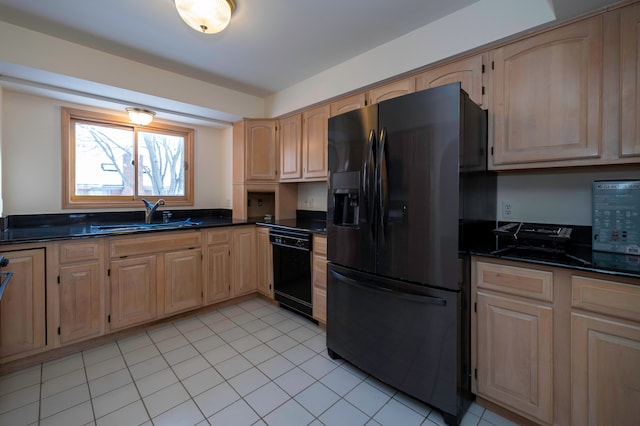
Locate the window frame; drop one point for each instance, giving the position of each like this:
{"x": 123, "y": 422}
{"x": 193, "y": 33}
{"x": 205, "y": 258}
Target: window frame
{"x": 69, "y": 200}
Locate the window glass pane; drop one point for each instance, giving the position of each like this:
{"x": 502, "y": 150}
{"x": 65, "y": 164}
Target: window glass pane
{"x": 160, "y": 164}
{"x": 103, "y": 157}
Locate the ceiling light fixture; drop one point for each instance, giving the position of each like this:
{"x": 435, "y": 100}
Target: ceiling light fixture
{"x": 140, "y": 116}
{"x": 207, "y": 16}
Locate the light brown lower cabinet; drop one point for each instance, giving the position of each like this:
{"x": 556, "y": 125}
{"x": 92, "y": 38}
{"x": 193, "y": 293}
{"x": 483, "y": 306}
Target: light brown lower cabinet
{"x": 217, "y": 283}
{"x": 556, "y": 346}
{"x": 514, "y": 358}
{"x": 182, "y": 280}
{"x": 80, "y": 290}
{"x": 243, "y": 257}
{"x": 265, "y": 262}
{"x": 605, "y": 344}
{"x": 22, "y": 309}
{"x": 133, "y": 291}
{"x": 319, "y": 278}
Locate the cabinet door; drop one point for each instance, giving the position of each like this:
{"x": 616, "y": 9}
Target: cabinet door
{"x": 291, "y": 147}
{"x": 392, "y": 90}
{"x": 265, "y": 263}
{"x": 244, "y": 261}
{"x": 467, "y": 71}
{"x": 546, "y": 103}
{"x": 133, "y": 291}
{"x": 182, "y": 280}
{"x": 349, "y": 103}
{"x": 81, "y": 314}
{"x": 315, "y": 130}
{"x": 630, "y": 75}
{"x": 515, "y": 353}
{"x": 218, "y": 283}
{"x": 261, "y": 153}
{"x": 22, "y": 309}
{"x": 605, "y": 380}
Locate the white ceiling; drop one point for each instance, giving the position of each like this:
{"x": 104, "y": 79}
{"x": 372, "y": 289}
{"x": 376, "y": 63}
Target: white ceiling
{"x": 269, "y": 45}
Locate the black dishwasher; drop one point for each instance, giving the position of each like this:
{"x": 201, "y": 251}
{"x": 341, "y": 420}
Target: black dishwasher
{"x": 292, "y": 269}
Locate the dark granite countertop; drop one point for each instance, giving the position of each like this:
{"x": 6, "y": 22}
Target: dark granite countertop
{"x": 576, "y": 255}
{"x": 21, "y": 229}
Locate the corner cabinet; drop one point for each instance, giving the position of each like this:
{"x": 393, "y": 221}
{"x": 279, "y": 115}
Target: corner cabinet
{"x": 22, "y": 308}
{"x": 546, "y": 100}
{"x": 514, "y": 318}
{"x": 81, "y": 277}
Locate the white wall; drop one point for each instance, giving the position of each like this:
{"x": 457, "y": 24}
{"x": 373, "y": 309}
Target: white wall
{"x": 558, "y": 197}
{"x": 312, "y": 196}
{"x": 32, "y": 150}
{"x": 476, "y": 25}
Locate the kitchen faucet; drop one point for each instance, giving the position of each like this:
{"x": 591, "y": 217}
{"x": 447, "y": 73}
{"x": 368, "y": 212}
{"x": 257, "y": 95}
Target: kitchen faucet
{"x": 150, "y": 209}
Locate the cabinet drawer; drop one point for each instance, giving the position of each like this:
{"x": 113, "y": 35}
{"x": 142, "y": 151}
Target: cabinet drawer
{"x": 320, "y": 246}
{"x": 606, "y": 297}
{"x": 153, "y": 243}
{"x": 218, "y": 236}
{"x": 524, "y": 282}
{"x": 78, "y": 252}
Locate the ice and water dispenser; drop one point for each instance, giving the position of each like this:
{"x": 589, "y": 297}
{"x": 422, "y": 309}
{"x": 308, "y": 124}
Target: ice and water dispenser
{"x": 345, "y": 189}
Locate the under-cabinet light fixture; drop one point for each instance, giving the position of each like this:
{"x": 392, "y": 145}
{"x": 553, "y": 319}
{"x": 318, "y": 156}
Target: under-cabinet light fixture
{"x": 140, "y": 116}
{"x": 206, "y": 16}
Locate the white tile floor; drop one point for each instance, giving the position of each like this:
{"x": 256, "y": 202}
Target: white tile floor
{"x": 247, "y": 364}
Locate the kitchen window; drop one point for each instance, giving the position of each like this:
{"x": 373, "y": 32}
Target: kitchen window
{"x": 109, "y": 162}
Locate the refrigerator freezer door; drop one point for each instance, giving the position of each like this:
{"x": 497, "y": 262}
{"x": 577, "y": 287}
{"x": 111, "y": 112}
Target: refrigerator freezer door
{"x": 351, "y": 197}
{"x": 419, "y": 166}
{"x": 405, "y": 335}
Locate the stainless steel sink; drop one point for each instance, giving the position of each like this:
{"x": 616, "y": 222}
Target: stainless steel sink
{"x": 141, "y": 226}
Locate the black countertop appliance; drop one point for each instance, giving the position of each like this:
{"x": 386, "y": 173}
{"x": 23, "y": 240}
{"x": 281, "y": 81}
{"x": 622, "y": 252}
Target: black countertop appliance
{"x": 408, "y": 177}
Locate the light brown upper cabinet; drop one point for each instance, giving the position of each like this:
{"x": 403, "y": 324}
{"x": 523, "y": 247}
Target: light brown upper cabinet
{"x": 290, "y": 134}
{"x": 546, "y": 99}
{"x": 630, "y": 73}
{"x": 391, "y": 90}
{"x": 468, "y": 72}
{"x": 261, "y": 150}
{"x": 348, "y": 103}
{"x": 314, "y": 143}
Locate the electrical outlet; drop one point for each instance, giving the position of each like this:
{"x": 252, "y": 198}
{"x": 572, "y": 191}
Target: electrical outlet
{"x": 507, "y": 209}
{"x": 311, "y": 203}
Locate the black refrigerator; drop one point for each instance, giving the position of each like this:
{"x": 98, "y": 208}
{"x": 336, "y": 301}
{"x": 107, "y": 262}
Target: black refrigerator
{"x": 408, "y": 187}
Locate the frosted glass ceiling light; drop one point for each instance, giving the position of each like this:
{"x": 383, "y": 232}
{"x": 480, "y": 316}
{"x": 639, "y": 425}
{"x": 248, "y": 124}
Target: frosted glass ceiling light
{"x": 141, "y": 117}
{"x": 207, "y": 16}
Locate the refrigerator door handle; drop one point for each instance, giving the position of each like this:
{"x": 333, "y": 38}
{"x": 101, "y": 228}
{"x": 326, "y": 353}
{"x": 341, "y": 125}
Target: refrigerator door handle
{"x": 420, "y": 298}
{"x": 382, "y": 184}
{"x": 368, "y": 173}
